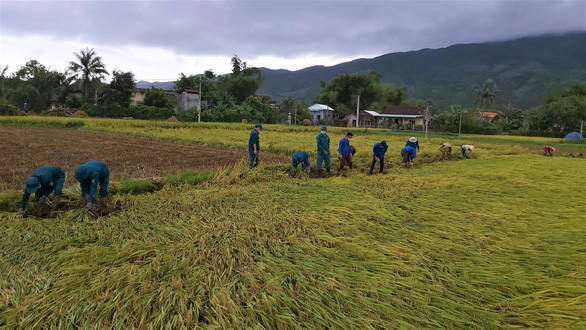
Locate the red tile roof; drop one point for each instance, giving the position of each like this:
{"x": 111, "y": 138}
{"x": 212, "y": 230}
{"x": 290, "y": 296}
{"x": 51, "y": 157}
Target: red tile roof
{"x": 487, "y": 114}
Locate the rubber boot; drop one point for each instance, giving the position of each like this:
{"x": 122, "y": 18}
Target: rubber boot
{"x": 104, "y": 202}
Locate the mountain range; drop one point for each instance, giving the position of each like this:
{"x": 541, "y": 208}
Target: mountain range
{"x": 525, "y": 70}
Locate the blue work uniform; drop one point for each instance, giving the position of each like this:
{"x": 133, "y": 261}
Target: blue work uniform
{"x": 51, "y": 179}
{"x": 344, "y": 147}
{"x": 300, "y": 157}
{"x": 414, "y": 145}
{"x": 253, "y": 140}
{"x": 408, "y": 154}
{"x": 90, "y": 175}
{"x": 378, "y": 151}
{"x": 323, "y": 144}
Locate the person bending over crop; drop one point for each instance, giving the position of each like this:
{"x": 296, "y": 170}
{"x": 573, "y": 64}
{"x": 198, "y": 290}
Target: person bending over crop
{"x": 345, "y": 151}
{"x": 467, "y": 150}
{"x": 254, "y": 146}
{"x": 378, "y": 154}
{"x": 89, "y": 176}
{"x": 42, "y": 183}
{"x": 301, "y": 157}
{"x": 323, "y": 149}
{"x": 548, "y": 150}
{"x": 446, "y": 150}
{"x": 413, "y": 143}
{"x": 408, "y": 153}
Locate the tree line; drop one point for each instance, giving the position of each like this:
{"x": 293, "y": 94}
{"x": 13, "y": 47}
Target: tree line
{"x": 234, "y": 97}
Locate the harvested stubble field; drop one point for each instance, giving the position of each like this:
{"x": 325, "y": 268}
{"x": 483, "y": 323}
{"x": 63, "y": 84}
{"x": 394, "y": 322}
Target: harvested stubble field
{"x": 23, "y": 149}
{"x": 493, "y": 242}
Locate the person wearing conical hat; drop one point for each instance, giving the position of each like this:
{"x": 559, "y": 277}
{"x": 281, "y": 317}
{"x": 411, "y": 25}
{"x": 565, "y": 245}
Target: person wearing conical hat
{"x": 413, "y": 143}
{"x": 89, "y": 176}
{"x": 466, "y": 150}
{"x": 42, "y": 183}
{"x": 548, "y": 150}
{"x": 446, "y": 150}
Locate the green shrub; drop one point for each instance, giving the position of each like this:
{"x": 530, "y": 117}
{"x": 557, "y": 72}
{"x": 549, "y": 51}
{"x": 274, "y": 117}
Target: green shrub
{"x": 136, "y": 186}
{"x": 10, "y": 110}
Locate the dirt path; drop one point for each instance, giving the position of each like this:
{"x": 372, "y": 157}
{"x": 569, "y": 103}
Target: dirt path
{"x": 23, "y": 149}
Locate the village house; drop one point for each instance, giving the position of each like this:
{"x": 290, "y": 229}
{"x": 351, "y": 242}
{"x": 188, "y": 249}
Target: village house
{"x": 321, "y": 112}
{"x": 404, "y": 116}
{"x": 368, "y": 119}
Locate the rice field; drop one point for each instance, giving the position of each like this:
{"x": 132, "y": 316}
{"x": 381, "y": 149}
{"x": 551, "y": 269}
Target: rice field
{"x": 492, "y": 242}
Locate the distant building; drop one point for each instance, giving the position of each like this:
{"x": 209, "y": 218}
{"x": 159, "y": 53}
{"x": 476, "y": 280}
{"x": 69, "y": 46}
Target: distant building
{"x": 395, "y": 117}
{"x": 404, "y": 116}
{"x": 189, "y": 98}
{"x": 321, "y": 112}
{"x": 367, "y": 118}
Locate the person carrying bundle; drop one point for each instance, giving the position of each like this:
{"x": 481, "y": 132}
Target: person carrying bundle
{"x": 466, "y": 150}
{"x": 446, "y": 150}
{"x": 42, "y": 183}
{"x": 301, "y": 157}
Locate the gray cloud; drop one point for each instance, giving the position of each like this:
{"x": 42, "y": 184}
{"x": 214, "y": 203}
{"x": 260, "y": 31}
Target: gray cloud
{"x": 290, "y": 28}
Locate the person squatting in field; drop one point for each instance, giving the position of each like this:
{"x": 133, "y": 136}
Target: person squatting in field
{"x": 345, "y": 151}
{"x": 378, "y": 154}
{"x": 467, "y": 150}
{"x": 407, "y": 153}
{"x": 446, "y": 150}
{"x": 548, "y": 150}
{"x": 42, "y": 183}
{"x": 323, "y": 149}
{"x": 301, "y": 157}
{"x": 254, "y": 146}
{"x": 413, "y": 143}
{"x": 89, "y": 176}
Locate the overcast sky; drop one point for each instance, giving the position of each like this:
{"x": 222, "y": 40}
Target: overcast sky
{"x": 159, "y": 39}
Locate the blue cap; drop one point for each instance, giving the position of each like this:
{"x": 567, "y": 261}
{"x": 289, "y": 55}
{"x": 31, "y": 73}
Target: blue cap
{"x": 32, "y": 185}
{"x": 258, "y": 125}
{"x": 324, "y": 128}
{"x": 80, "y": 173}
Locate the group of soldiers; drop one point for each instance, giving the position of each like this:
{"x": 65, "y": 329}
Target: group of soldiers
{"x": 49, "y": 178}
{"x": 346, "y": 152}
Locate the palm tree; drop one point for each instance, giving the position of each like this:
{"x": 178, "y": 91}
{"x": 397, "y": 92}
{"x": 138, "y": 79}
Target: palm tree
{"x": 511, "y": 113}
{"x": 88, "y": 70}
{"x": 486, "y": 94}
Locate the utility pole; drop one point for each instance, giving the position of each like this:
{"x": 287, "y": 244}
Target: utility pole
{"x": 199, "y": 105}
{"x": 460, "y": 125}
{"x": 358, "y": 111}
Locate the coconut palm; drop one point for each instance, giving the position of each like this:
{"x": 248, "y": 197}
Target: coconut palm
{"x": 88, "y": 70}
{"x": 487, "y": 93}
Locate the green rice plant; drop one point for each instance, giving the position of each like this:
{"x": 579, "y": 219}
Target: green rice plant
{"x": 191, "y": 177}
{"x": 492, "y": 242}
{"x": 136, "y": 186}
